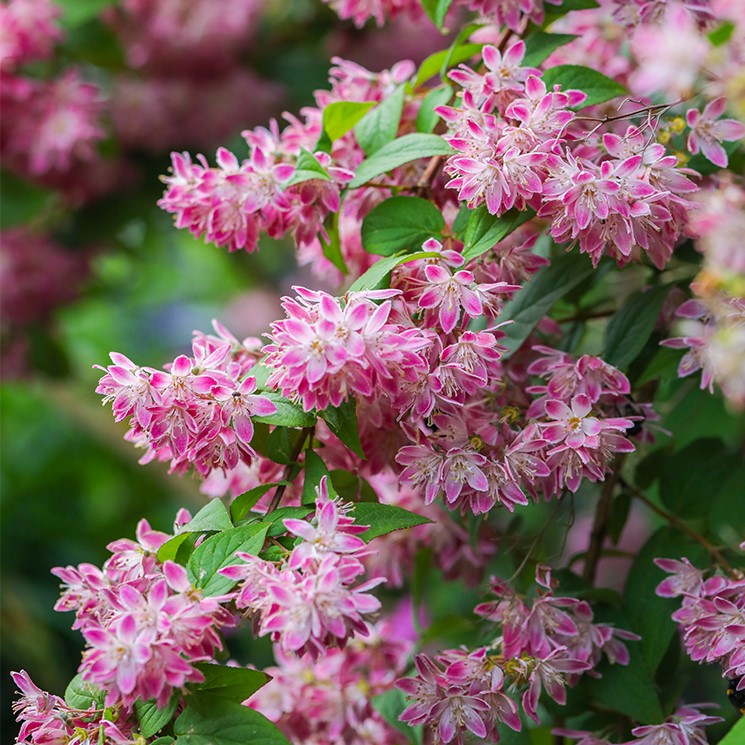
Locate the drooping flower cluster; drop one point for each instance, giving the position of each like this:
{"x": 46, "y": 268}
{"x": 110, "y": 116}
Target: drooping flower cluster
{"x": 543, "y": 645}
{"x": 309, "y": 602}
{"x": 197, "y": 412}
{"x": 330, "y": 699}
{"x": 144, "y": 623}
{"x": 711, "y": 616}
{"x": 521, "y": 145}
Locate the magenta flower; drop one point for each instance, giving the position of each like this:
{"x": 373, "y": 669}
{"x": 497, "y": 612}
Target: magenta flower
{"x": 708, "y": 131}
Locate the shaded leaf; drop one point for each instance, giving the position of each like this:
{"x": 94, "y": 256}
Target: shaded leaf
{"x": 151, "y": 718}
{"x": 401, "y": 224}
{"x": 315, "y": 470}
{"x": 384, "y": 518}
{"x": 540, "y": 45}
{"x": 484, "y": 231}
{"x": 231, "y": 683}
{"x": 342, "y": 421}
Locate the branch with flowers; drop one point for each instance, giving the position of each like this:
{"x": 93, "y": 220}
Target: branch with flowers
{"x": 502, "y": 239}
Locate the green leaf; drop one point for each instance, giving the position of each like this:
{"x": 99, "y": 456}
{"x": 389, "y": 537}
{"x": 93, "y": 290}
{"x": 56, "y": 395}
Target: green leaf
{"x": 376, "y": 275}
{"x": 80, "y": 694}
{"x": 629, "y": 689}
{"x": 649, "y": 614}
{"x": 384, "y": 518}
{"x": 210, "y": 720}
{"x": 692, "y": 478}
{"x": 401, "y": 224}
{"x": 288, "y": 414}
{"x": 94, "y": 43}
{"x": 307, "y": 169}
{"x": 437, "y": 10}
{"x": 536, "y": 298}
{"x": 211, "y": 518}
{"x": 164, "y": 740}
{"x": 380, "y": 125}
{"x": 397, "y": 153}
{"x": 332, "y": 248}
{"x": 22, "y": 201}
{"x": 721, "y": 35}
{"x": 342, "y": 421}
{"x": 736, "y": 736}
{"x": 218, "y": 552}
{"x": 433, "y": 64}
{"x": 630, "y": 328}
{"x": 484, "y": 231}
{"x": 230, "y": 683}
{"x": 597, "y": 86}
{"x": 426, "y": 117}
{"x": 151, "y": 718}
{"x": 540, "y": 45}
{"x": 243, "y": 503}
{"x": 275, "y": 518}
{"x": 75, "y": 12}
{"x": 281, "y": 445}
{"x": 351, "y": 487}
{"x": 315, "y": 470}
{"x": 390, "y": 705}
{"x": 727, "y": 515}
{"x": 341, "y": 116}
{"x": 664, "y": 365}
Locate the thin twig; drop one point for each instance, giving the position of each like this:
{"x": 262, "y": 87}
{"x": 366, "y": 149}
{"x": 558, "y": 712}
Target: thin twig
{"x": 299, "y": 443}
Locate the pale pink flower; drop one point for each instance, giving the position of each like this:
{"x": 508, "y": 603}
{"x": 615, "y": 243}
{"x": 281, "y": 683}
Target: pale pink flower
{"x": 708, "y": 131}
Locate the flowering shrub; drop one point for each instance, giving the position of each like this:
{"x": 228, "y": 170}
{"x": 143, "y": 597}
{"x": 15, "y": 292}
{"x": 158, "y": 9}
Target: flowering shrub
{"x": 461, "y": 375}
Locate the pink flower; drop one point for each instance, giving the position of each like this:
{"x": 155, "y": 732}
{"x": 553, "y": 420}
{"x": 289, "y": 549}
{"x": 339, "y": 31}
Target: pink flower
{"x": 574, "y": 427}
{"x": 708, "y": 131}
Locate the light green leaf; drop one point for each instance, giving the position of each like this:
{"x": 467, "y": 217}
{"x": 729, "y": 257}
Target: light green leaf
{"x": 243, "y": 503}
{"x": 399, "y": 152}
{"x": 340, "y": 117}
{"x": 426, "y": 117}
{"x": 211, "y": 518}
{"x": 736, "y": 736}
{"x": 597, "y": 86}
{"x": 536, "y": 298}
{"x": 401, "y": 224}
{"x": 332, "y": 247}
{"x": 151, "y": 718}
{"x": 376, "y": 275}
{"x": 307, "y": 169}
{"x": 288, "y": 414}
{"x": 630, "y": 328}
{"x": 230, "y": 683}
{"x": 342, "y": 421}
{"x": 384, "y": 518}
{"x": 437, "y": 10}
{"x": 540, "y": 45}
{"x": 380, "y": 125}
{"x": 276, "y": 517}
{"x": 484, "y": 231}
{"x": 210, "y": 720}
{"x": 80, "y": 694}
{"x": 76, "y": 12}
{"x": 218, "y": 552}
{"x": 433, "y": 64}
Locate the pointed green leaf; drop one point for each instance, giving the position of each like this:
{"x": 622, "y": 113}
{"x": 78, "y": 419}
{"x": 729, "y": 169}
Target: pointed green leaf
{"x": 341, "y": 117}
{"x": 80, "y": 694}
{"x": 380, "y": 125}
{"x": 151, "y": 718}
{"x": 315, "y": 470}
{"x": 484, "y": 231}
{"x": 342, "y": 421}
{"x": 231, "y": 683}
{"x": 211, "y": 518}
{"x": 243, "y": 503}
{"x": 401, "y": 224}
{"x": 433, "y": 64}
{"x": 540, "y": 45}
{"x": 597, "y": 86}
{"x": 378, "y": 273}
{"x": 437, "y": 10}
{"x": 384, "y": 518}
{"x": 307, "y": 169}
{"x": 288, "y": 414}
{"x": 427, "y": 118}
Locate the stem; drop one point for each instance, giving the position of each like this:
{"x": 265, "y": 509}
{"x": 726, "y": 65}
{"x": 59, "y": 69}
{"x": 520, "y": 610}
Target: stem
{"x": 429, "y": 173}
{"x": 600, "y": 523}
{"x": 676, "y": 522}
{"x": 299, "y": 443}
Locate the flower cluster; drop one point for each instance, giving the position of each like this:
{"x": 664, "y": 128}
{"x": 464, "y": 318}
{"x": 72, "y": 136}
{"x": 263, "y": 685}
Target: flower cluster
{"x": 711, "y": 616}
{"x": 330, "y": 699}
{"x": 521, "y": 145}
{"x": 309, "y": 602}
{"x": 197, "y": 412}
{"x": 543, "y": 645}
{"x": 144, "y": 623}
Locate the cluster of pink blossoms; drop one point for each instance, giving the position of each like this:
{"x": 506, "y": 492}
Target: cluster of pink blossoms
{"x": 309, "y": 602}
{"x": 543, "y": 645}
{"x": 711, "y": 616}
{"x": 144, "y": 623}
{"x": 330, "y": 699}
{"x": 520, "y": 145}
{"x": 198, "y": 411}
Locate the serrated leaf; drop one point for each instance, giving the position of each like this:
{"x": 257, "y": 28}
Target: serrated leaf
{"x": 426, "y": 117}
{"x": 691, "y": 479}
{"x": 341, "y": 117}
{"x": 230, "y": 683}
{"x": 210, "y": 720}
{"x": 598, "y": 87}
{"x": 212, "y": 517}
{"x": 535, "y": 299}
{"x": 484, "y": 231}
{"x": 540, "y": 45}
{"x": 151, "y": 718}
{"x": 315, "y": 470}
{"x": 379, "y": 126}
{"x": 376, "y": 275}
{"x": 384, "y": 518}
{"x": 650, "y": 615}
{"x": 630, "y": 328}
{"x": 218, "y": 552}
{"x": 401, "y": 224}
{"x": 80, "y": 694}
{"x": 342, "y": 421}
{"x": 288, "y": 414}
{"x": 397, "y": 153}
{"x": 433, "y": 64}
{"x": 437, "y": 10}
{"x": 243, "y": 503}
{"x": 307, "y": 168}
